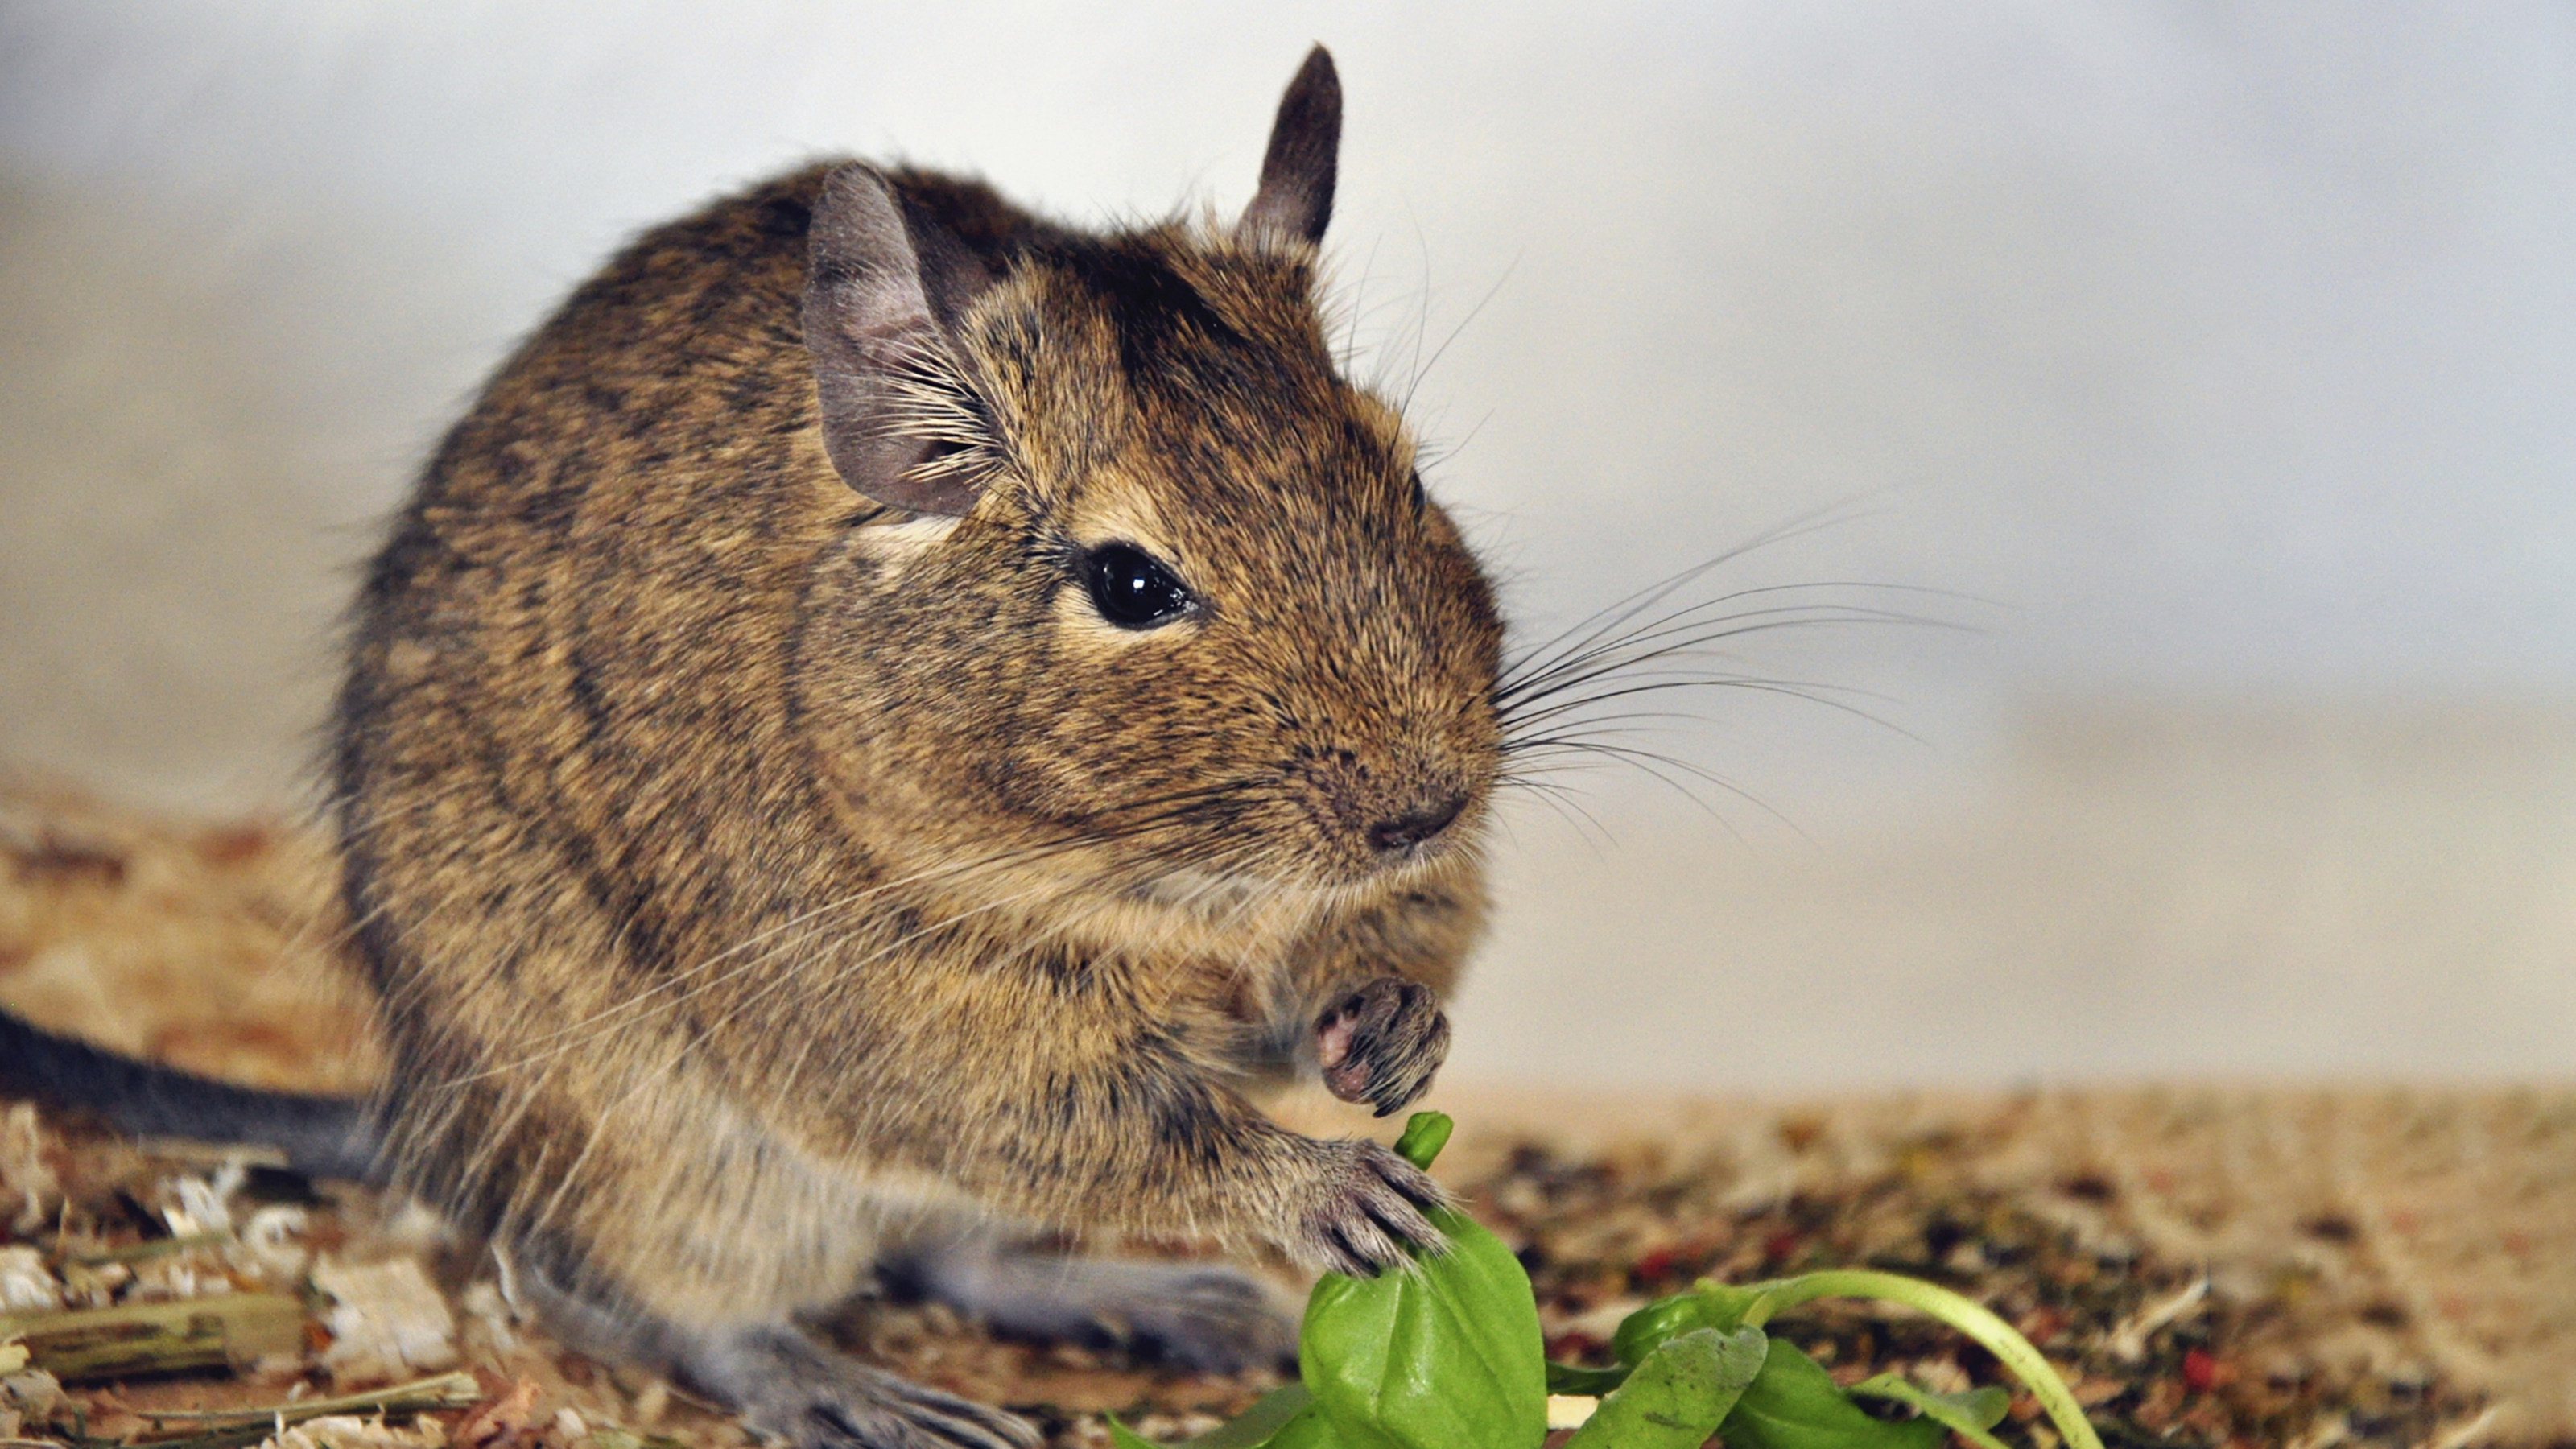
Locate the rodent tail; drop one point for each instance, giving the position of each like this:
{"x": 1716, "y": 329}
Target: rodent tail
{"x": 321, "y": 1136}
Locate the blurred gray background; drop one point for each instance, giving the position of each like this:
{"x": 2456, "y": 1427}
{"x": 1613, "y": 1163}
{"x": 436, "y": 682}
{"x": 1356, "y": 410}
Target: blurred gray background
{"x": 2221, "y": 356}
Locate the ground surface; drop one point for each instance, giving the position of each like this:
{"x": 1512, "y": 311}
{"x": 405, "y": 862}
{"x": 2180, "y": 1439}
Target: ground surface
{"x": 2384, "y": 1266}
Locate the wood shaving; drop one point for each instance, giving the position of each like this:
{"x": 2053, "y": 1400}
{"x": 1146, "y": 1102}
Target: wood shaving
{"x": 387, "y": 1321}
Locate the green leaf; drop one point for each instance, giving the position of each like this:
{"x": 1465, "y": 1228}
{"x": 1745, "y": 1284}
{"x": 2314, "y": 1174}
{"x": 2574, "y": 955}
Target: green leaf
{"x": 1444, "y": 1354}
{"x": 1439, "y": 1355}
{"x": 1273, "y": 1423}
{"x": 1425, "y": 1133}
{"x": 1307, "y": 1430}
{"x": 1707, "y": 1305}
{"x": 1794, "y": 1404}
{"x": 1677, "y": 1397}
{"x": 1970, "y": 1414}
{"x": 1564, "y": 1378}
{"x": 1261, "y": 1424}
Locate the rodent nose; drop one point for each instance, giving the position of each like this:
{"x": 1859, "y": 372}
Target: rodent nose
{"x": 1389, "y": 836}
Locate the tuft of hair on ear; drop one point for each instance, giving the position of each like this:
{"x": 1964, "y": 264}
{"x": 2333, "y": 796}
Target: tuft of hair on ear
{"x": 1295, "y": 199}
{"x": 930, "y": 403}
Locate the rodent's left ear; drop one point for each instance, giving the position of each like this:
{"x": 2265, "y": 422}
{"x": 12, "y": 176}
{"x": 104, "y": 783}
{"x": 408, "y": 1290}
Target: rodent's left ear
{"x": 891, "y": 398}
{"x": 1296, "y": 195}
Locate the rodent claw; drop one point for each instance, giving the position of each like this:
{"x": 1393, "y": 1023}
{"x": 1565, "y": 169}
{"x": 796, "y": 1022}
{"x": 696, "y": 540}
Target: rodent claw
{"x": 1381, "y": 1044}
{"x": 791, "y": 1389}
{"x": 1373, "y": 1211}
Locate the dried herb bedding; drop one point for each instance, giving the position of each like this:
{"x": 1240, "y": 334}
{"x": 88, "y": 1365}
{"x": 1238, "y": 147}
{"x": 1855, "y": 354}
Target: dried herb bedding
{"x": 2151, "y": 1356}
{"x": 2157, "y": 1360}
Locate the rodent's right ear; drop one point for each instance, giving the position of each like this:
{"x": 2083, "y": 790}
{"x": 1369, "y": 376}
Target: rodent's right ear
{"x": 892, "y": 400}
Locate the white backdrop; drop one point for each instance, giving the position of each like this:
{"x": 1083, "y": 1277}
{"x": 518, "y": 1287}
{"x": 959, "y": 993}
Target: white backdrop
{"x": 2225, "y": 352}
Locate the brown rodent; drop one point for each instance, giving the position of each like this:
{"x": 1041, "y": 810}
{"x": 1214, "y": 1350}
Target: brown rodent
{"x": 889, "y": 709}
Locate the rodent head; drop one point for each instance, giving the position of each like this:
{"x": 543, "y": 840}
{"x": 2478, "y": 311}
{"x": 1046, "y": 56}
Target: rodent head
{"x": 1150, "y": 573}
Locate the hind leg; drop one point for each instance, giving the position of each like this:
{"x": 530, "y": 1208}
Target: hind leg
{"x": 1205, "y": 1317}
{"x": 784, "y": 1384}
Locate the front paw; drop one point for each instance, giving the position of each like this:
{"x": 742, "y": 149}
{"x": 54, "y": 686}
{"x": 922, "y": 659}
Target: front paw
{"x": 1363, "y": 1210}
{"x": 1381, "y": 1043}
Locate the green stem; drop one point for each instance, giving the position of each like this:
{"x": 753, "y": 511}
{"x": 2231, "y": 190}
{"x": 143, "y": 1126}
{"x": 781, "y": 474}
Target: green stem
{"x": 1964, "y": 1314}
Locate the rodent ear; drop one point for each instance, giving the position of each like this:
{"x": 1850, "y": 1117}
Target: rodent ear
{"x": 1296, "y": 195}
{"x": 896, "y": 415}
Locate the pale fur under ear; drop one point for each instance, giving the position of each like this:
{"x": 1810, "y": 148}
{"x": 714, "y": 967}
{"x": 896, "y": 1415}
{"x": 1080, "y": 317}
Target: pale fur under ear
{"x": 898, "y": 546}
{"x": 1296, "y": 195}
{"x": 876, "y": 349}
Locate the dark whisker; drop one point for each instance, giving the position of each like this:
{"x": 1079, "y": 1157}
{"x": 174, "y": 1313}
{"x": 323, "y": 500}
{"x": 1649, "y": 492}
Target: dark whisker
{"x": 1558, "y": 798}
{"x": 1675, "y": 659}
{"x": 1683, "y": 621}
{"x": 1631, "y": 721}
{"x": 1680, "y": 647}
{"x": 1619, "y": 611}
{"x": 1696, "y": 617}
{"x": 1625, "y": 682}
{"x": 1421, "y": 367}
{"x": 791, "y": 936}
{"x": 1789, "y": 688}
{"x": 1358, "y": 308}
{"x": 1654, "y": 763}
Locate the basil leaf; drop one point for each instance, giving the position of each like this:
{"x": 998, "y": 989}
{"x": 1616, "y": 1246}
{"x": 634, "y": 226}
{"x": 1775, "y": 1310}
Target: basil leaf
{"x": 1969, "y": 1414}
{"x": 1307, "y": 1430}
{"x": 1708, "y": 1305}
{"x": 1443, "y": 1354}
{"x": 1261, "y": 1424}
{"x": 1794, "y": 1404}
{"x": 1676, "y": 1397}
{"x": 1273, "y": 1423}
{"x": 1425, "y": 1133}
{"x": 1567, "y": 1379}
{"x": 1447, "y": 1353}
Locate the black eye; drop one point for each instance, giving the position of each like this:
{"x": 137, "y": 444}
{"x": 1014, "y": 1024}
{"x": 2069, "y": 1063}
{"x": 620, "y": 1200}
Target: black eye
{"x": 1419, "y": 498}
{"x": 1131, "y": 590}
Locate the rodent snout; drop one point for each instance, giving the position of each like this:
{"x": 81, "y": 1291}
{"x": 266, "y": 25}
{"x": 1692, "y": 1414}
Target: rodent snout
{"x": 1403, "y": 832}
{"x": 1388, "y": 810}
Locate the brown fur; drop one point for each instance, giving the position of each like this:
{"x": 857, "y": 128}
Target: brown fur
{"x": 741, "y": 861}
